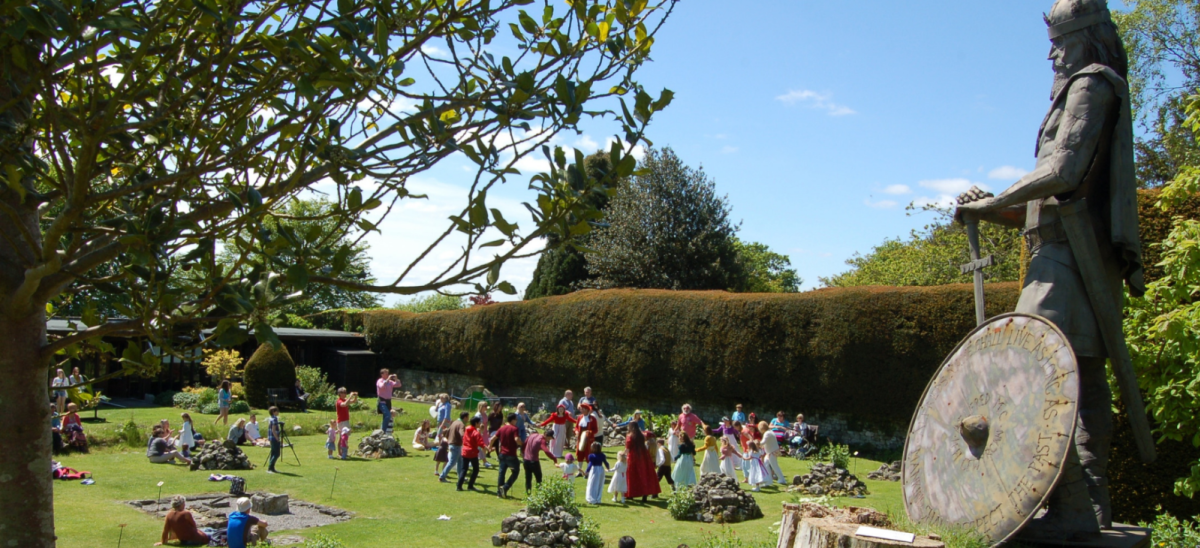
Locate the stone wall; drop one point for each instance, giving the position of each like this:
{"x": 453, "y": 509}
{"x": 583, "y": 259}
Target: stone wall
{"x": 835, "y": 427}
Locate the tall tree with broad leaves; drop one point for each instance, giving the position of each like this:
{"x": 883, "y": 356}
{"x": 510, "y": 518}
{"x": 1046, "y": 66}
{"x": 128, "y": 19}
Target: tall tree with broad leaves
{"x": 766, "y": 270}
{"x": 289, "y": 235}
{"x": 1162, "y": 39}
{"x": 562, "y": 268}
{"x": 666, "y": 228}
{"x": 136, "y": 135}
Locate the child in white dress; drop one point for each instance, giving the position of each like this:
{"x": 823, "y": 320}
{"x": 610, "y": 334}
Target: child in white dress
{"x": 617, "y": 486}
{"x": 729, "y": 459}
{"x": 569, "y": 468}
{"x": 597, "y": 466}
{"x": 673, "y": 440}
{"x": 756, "y": 474}
{"x": 187, "y": 436}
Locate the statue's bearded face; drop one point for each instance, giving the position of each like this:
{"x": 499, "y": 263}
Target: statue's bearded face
{"x": 1067, "y": 56}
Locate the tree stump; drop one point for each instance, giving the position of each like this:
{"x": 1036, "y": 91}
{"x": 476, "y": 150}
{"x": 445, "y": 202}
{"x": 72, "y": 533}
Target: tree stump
{"x": 827, "y": 533}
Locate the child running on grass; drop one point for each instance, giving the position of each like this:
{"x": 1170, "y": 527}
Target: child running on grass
{"x": 332, "y": 441}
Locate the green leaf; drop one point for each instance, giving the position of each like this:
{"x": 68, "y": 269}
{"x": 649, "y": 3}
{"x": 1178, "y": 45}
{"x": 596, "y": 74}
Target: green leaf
{"x": 493, "y": 274}
{"x": 527, "y": 22}
{"x": 297, "y": 275}
{"x": 506, "y": 288}
{"x": 493, "y": 243}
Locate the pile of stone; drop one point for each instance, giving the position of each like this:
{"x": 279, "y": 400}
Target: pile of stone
{"x": 614, "y": 436}
{"x": 212, "y": 510}
{"x": 827, "y": 479}
{"x": 552, "y": 529}
{"x": 886, "y": 472}
{"x": 720, "y": 500}
{"x": 380, "y": 445}
{"x": 849, "y": 514}
{"x": 221, "y": 456}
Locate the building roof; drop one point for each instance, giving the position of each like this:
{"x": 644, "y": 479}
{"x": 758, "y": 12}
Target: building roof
{"x": 60, "y": 326}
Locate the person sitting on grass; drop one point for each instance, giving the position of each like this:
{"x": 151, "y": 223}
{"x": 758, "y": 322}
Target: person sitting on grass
{"x": 72, "y": 428}
{"x": 421, "y": 440}
{"x": 159, "y": 451}
{"x": 245, "y": 529}
{"x": 237, "y": 432}
{"x": 181, "y": 526}
{"x": 253, "y": 436}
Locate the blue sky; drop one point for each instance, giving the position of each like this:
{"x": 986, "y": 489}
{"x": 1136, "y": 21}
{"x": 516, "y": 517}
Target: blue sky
{"x": 821, "y": 121}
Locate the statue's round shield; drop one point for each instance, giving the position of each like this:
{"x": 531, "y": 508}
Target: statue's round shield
{"x": 992, "y": 431}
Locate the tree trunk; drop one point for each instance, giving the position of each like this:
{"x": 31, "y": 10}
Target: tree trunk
{"x": 828, "y": 533}
{"x": 26, "y": 488}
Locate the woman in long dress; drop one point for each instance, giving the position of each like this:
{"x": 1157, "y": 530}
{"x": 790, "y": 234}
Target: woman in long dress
{"x": 597, "y": 465}
{"x": 712, "y": 461}
{"x": 618, "y": 486}
{"x": 641, "y": 481}
{"x": 685, "y": 462}
{"x": 770, "y": 447}
{"x": 585, "y": 432}
{"x": 559, "y": 419}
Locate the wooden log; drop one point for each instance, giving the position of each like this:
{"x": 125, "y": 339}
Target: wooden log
{"x": 789, "y": 525}
{"x": 827, "y": 533}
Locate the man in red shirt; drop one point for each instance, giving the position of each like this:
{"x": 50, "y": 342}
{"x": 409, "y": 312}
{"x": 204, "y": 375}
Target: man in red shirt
{"x": 181, "y": 526}
{"x": 343, "y": 407}
{"x": 508, "y": 443}
{"x": 472, "y": 445}
{"x": 536, "y": 444}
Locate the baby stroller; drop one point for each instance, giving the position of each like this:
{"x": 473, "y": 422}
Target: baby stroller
{"x": 803, "y": 441}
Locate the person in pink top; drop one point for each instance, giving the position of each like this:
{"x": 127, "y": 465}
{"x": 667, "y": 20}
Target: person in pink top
{"x": 689, "y": 421}
{"x": 535, "y": 444}
{"x": 384, "y": 388}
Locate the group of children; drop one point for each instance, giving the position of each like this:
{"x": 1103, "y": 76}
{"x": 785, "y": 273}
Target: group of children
{"x": 338, "y": 440}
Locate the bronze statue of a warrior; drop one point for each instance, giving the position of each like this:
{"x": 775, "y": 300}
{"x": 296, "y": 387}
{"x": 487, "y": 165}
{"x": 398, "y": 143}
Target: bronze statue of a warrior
{"x": 1084, "y": 162}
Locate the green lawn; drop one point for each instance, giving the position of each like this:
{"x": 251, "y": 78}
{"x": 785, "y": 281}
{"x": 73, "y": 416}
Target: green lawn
{"x": 397, "y": 501}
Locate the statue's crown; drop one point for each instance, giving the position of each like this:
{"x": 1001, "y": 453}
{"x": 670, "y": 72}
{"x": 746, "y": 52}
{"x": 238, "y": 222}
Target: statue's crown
{"x": 1067, "y": 16}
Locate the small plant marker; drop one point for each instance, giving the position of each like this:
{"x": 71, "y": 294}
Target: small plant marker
{"x": 335, "y": 471}
{"x": 158, "y": 501}
{"x": 121, "y": 536}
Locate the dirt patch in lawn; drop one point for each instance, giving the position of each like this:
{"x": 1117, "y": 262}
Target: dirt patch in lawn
{"x": 212, "y": 510}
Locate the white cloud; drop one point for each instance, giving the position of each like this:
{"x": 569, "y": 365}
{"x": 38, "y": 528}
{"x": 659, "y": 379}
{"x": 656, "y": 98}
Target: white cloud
{"x": 943, "y": 201}
{"x": 433, "y": 51}
{"x": 881, "y": 204}
{"x": 1006, "y": 173}
{"x": 817, "y": 100}
{"x": 534, "y": 162}
{"x": 586, "y": 144}
{"x": 728, "y": 150}
{"x": 897, "y": 189}
{"x": 638, "y": 152}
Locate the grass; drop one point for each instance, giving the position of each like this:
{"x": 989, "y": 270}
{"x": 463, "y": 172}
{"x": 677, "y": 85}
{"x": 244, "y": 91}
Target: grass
{"x": 397, "y": 501}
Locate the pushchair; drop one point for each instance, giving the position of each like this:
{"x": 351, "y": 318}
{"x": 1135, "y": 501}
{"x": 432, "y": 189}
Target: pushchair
{"x": 803, "y": 441}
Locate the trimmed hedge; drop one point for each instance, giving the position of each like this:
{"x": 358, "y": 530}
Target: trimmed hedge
{"x": 867, "y": 352}
{"x": 268, "y": 368}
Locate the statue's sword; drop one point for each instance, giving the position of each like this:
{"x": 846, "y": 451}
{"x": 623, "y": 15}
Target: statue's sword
{"x": 976, "y": 265}
{"x": 1078, "y": 226}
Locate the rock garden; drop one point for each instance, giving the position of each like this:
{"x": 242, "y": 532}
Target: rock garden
{"x": 225, "y": 455}
{"x": 828, "y": 480}
{"x": 380, "y": 445}
{"x": 886, "y": 472}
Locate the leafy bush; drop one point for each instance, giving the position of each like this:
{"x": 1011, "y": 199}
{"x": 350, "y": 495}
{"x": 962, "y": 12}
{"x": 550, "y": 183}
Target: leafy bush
{"x": 589, "y": 534}
{"x": 237, "y": 390}
{"x": 728, "y": 539}
{"x": 268, "y": 368}
{"x": 1170, "y": 531}
{"x": 165, "y": 398}
{"x": 210, "y": 409}
{"x": 321, "y": 540}
{"x": 837, "y": 454}
{"x": 431, "y": 303}
{"x": 222, "y": 364}
{"x": 186, "y": 400}
{"x": 205, "y": 396}
{"x": 313, "y": 381}
{"x": 552, "y": 493}
{"x": 239, "y": 407}
{"x": 682, "y": 504}
{"x": 132, "y": 435}
{"x": 659, "y": 424}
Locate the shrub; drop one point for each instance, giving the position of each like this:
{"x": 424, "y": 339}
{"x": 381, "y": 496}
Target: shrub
{"x": 166, "y": 399}
{"x": 132, "y": 435}
{"x": 589, "y": 534}
{"x": 313, "y": 381}
{"x": 222, "y": 364}
{"x": 867, "y": 352}
{"x": 1170, "y": 531}
{"x": 205, "y": 396}
{"x": 237, "y": 390}
{"x": 268, "y": 368}
{"x": 186, "y": 400}
{"x": 239, "y": 407}
{"x": 552, "y": 493}
{"x": 682, "y": 504}
{"x": 210, "y": 409}
{"x": 837, "y": 454}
